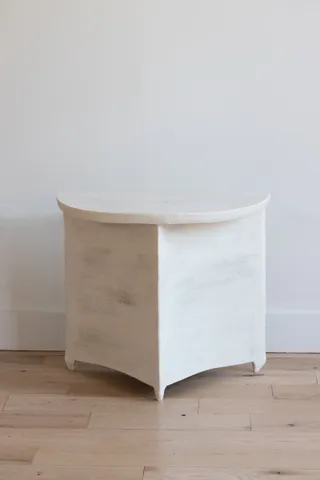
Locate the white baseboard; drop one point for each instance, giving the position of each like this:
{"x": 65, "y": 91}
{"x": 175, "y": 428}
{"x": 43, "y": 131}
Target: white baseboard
{"x": 31, "y": 330}
{"x": 292, "y": 331}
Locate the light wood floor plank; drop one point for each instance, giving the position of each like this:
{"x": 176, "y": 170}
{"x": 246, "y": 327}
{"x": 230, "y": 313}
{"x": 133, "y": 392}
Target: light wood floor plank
{"x": 290, "y": 420}
{"x": 55, "y": 381}
{"x": 297, "y": 392}
{"x": 16, "y": 383}
{"x": 54, "y": 374}
{"x": 265, "y": 377}
{"x": 112, "y": 385}
{"x": 180, "y": 473}
{"x": 17, "y": 451}
{"x": 50, "y": 404}
{"x": 272, "y": 460}
{"x": 70, "y": 473}
{"x": 137, "y": 406}
{"x": 200, "y": 473}
{"x": 54, "y": 361}
{"x": 206, "y": 387}
{"x": 24, "y": 358}
{"x": 291, "y": 362}
{"x": 257, "y": 406}
{"x": 173, "y": 448}
{"x": 55, "y": 404}
{"x": 165, "y": 421}
{"x": 17, "y": 420}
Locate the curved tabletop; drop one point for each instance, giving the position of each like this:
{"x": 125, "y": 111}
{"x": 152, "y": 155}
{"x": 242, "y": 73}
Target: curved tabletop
{"x": 143, "y": 209}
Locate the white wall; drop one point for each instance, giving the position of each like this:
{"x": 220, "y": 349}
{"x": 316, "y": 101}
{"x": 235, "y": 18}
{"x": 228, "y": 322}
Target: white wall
{"x": 155, "y": 96}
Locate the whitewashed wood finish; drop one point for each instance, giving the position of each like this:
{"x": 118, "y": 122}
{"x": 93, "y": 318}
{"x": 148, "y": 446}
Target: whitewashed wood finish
{"x": 164, "y": 302}
{"x": 99, "y": 207}
{"x": 211, "y": 297}
{"x": 111, "y": 276}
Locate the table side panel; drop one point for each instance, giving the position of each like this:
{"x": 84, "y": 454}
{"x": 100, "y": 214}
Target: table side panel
{"x": 211, "y": 296}
{"x": 112, "y": 303}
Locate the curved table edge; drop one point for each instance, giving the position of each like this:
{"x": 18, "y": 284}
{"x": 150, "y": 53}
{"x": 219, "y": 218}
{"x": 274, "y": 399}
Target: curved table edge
{"x": 163, "y": 219}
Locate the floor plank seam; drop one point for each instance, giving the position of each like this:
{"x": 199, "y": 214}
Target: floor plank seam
{"x": 272, "y": 391}
{"x": 5, "y": 403}
{"x": 89, "y": 418}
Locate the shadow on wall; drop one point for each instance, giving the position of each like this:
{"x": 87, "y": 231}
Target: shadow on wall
{"x": 32, "y": 283}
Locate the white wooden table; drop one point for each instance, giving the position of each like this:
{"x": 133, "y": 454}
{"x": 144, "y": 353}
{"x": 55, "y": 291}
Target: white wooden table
{"x": 162, "y": 290}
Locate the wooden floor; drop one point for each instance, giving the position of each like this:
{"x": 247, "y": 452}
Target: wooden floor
{"x": 222, "y": 425}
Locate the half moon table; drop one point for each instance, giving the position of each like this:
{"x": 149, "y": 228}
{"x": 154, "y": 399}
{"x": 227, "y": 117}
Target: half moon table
{"x": 162, "y": 290}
